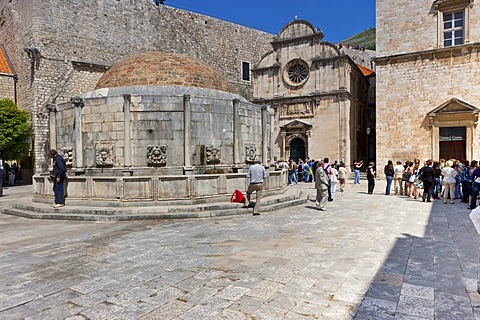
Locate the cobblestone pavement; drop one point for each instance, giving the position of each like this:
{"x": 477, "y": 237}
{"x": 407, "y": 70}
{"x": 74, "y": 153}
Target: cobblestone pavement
{"x": 366, "y": 257}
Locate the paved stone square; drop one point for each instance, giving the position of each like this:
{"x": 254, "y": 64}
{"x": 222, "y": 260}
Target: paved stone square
{"x": 366, "y": 257}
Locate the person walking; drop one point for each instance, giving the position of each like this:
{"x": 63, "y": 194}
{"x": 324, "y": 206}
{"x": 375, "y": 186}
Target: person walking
{"x": 398, "y": 178}
{"x": 371, "y": 177}
{"x": 59, "y": 175}
{"x": 342, "y": 176}
{"x": 321, "y": 184}
{"x": 389, "y": 173}
{"x": 449, "y": 173}
{"x": 328, "y": 171}
{"x": 257, "y": 175}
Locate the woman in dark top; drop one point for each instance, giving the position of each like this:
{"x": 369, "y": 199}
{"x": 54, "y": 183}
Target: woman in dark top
{"x": 371, "y": 177}
{"x": 428, "y": 179}
{"x": 389, "y": 173}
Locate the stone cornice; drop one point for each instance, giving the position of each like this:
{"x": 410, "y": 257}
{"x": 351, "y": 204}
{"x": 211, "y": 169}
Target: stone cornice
{"x": 428, "y": 54}
{"x": 340, "y": 93}
{"x": 279, "y": 42}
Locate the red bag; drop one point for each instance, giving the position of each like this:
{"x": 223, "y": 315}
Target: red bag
{"x": 238, "y": 197}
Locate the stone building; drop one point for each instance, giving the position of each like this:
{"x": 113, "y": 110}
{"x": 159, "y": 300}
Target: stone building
{"x": 319, "y": 96}
{"x": 428, "y": 71}
{"x": 60, "y": 49}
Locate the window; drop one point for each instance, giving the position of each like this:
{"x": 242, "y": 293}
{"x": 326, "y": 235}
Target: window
{"x": 453, "y": 29}
{"x": 246, "y": 71}
{"x": 296, "y": 72}
{"x": 453, "y": 22}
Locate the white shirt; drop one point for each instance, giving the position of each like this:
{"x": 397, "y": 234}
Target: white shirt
{"x": 449, "y": 174}
{"x": 398, "y": 169}
{"x": 256, "y": 173}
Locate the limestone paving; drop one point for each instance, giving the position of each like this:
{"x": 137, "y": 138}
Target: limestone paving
{"x": 366, "y": 257}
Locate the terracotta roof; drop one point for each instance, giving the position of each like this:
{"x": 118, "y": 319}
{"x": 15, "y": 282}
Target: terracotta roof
{"x": 366, "y": 72}
{"x": 163, "y": 69}
{"x": 5, "y": 66}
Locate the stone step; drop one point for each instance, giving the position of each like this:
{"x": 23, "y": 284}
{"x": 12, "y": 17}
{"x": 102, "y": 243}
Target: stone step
{"x": 42, "y": 211}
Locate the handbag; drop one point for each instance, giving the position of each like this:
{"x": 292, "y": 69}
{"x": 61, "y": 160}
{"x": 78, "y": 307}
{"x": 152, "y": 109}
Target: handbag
{"x": 52, "y": 176}
{"x": 237, "y": 197}
{"x": 406, "y": 176}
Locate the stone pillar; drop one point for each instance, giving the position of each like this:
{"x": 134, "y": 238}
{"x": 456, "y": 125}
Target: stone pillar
{"x": 127, "y": 125}
{"x": 265, "y": 135}
{"x": 236, "y": 132}
{"x": 52, "y": 112}
{"x": 187, "y": 118}
{"x": 284, "y": 145}
{"x": 77, "y": 131}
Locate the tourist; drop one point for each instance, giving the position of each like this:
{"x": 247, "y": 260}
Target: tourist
{"x": 300, "y": 176}
{"x": 321, "y": 184}
{"x": 389, "y": 173}
{"x": 398, "y": 170}
{"x": 256, "y": 174}
{"x": 417, "y": 184}
{"x": 465, "y": 180}
{"x": 357, "y": 166}
{"x": 428, "y": 178}
{"x": 410, "y": 178}
{"x": 328, "y": 171}
{"x": 458, "y": 166}
{"x": 371, "y": 177}
{"x": 475, "y": 186}
{"x": 292, "y": 172}
{"x": 449, "y": 173}
{"x": 438, "y": 180}
{"x": 306, "y": 171}
{"x": 342, "y": 176}
{"x": 58, "y": 176}
{"x": 334, "y": 179}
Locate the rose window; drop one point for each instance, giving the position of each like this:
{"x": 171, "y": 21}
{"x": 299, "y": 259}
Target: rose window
{"x": 296, "y": 72}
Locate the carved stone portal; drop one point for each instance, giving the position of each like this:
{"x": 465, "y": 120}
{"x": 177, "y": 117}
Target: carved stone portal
{"x": 212, "y": 155}
{"x": 68, "y": 156}
{"x": 157, "y": 156}
{"x": 251, "y": 155}
{"x": 104, "y": 156}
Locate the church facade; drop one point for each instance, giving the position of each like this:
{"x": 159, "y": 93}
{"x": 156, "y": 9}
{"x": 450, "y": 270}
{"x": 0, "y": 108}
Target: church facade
{"x": 319, "y": 96}
{"x": 428, "y": 88}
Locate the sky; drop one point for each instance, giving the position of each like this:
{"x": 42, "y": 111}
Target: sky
{"x": 338, "y": 19}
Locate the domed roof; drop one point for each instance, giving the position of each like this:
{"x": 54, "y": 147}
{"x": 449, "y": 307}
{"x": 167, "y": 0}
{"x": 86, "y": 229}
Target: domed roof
{"x": 163, "y": 69}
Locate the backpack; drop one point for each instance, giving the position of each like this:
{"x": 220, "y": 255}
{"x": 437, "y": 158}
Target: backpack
{"x": 465, "y": 174}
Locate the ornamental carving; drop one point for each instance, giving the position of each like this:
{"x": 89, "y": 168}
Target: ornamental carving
{"x": 157, "y": 156}
{"x": 104, "y": 156}
{"x": 297, "y": 110}
{"x": 212, "y": 155}
{"x": 251, "y": 155}
{"x": 68, "y": 156}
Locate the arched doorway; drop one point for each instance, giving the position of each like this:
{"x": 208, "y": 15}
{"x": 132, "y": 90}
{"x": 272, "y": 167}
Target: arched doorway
{"x": 297, "y": 149}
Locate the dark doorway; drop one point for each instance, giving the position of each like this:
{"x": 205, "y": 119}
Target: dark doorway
{"x": 453, "y": 143}
{"x": 297, "y": 149}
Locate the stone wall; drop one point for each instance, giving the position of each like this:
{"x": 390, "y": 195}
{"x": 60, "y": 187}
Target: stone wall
{"x": 408, "y": 90}
{"x": 410, "y": 26}
{"x": 7, "y": 87}
{"x": 157, "y": 118}
{"x": 78, "y": 40}
{"x": 415, "y": 76}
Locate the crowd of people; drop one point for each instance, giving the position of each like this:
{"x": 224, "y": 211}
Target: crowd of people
{"x": 447, "y": 180}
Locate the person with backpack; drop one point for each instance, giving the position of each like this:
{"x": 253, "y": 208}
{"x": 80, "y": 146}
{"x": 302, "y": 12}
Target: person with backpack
{"x": 328, "y": 171}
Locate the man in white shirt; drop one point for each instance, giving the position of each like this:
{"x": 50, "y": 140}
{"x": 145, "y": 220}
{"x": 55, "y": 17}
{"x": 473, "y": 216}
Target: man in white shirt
{"x": 257, "y": 175}
{"x": 397, "y": 178}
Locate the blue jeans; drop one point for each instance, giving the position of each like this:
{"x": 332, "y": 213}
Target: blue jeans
{"x": 437, "y": 188}
{"x": 458, "y": 193}
{"x": 389, "y": 184}
{"x": 357, "y": 176}
{"x": 475, "y": 191}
